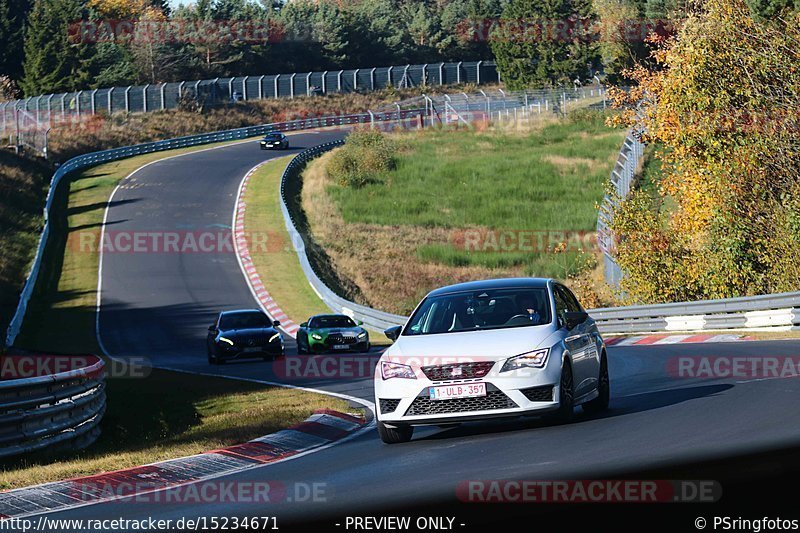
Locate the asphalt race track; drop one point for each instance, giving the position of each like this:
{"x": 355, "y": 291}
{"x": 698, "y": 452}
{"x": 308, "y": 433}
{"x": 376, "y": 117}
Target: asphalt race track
{"x": 159, "y": 306}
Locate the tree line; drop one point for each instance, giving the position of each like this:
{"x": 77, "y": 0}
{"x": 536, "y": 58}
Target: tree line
{"x": 65, "y": 45}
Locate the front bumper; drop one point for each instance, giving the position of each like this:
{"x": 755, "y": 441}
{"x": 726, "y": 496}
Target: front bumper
{"x": 324, "y": 346}
{"x": 407, "y": 402}
{"x": 265, "y": 146}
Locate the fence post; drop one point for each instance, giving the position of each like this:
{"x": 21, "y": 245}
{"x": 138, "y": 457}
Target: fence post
{"x": 425, "y": 75}
{"x": 127, "y": 99}
{"x": 405, "y": 76}
{"x": 458, "y": 72}
{"x": 372, "y": 79}
{"x": 144, "y": 98}
{"x": 389, "y": 76}
{"x": 371, "y": 119}
{"x": 324, "y": 82}
{"x": 339, "y": 81}
{"x": 478, "y": 72}
{"x": 291, "y": 85}
{"x": 78, "y": 103}
{"x": 108, "y": 100}
{"x": 441, "y": 73}
{"x": 163, "y": 96}
{"x": 37, "y": 110}
{"x": 277, "y": 77}
{"x": 92, "y": 95}
{"x": 261, "y": 88}
{"x": 308, "y": 84}
{"x": 180, "y": 90}
{"x": 355, "y": 80}
{"x": 63, "y": 103}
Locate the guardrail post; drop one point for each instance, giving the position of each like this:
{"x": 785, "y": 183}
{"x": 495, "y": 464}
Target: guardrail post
{"x": 291, "y": 85}
{"x": 277, "y": 77}
{"x": 127, "y": 99}
{"x": 339, "y": 81}
{"x": 163, "y": 96}
{"x": 372, "y": 79}
{"x": 144, "y": 98}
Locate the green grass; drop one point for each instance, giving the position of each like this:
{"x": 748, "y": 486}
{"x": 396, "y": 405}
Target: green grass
{"x": 279, "y": 268}
{"x": 469, "y": 178}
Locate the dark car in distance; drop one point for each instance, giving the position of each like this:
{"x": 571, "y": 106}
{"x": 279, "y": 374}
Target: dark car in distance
{"x": 273, "y": 141}
{"x": 244, "y": 334}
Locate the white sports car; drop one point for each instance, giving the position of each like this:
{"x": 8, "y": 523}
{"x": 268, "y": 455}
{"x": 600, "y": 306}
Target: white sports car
{"x": 488, "y": 349}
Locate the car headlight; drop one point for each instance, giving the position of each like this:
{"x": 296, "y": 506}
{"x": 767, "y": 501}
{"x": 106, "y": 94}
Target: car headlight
{"x": 535, "y": 359}
{"x": 362, "y": 334}
{"x": 224, "y": 339}
{"x": 316, "y": 336}
{"x": 391, "y": 370}
{"x": 276, "y": 336}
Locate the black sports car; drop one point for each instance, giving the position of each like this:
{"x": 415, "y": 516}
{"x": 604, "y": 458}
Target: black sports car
{"x": 243, "y": 334}
{"x": 274, "y": 140}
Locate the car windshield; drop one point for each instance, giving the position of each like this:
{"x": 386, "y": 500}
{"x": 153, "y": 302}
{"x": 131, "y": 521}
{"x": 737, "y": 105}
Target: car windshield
{"x": 273, "y": 137}
{"x": 470, "y": 311}
{"x": 244, "y": 320}
{"x": 332, "y": 322}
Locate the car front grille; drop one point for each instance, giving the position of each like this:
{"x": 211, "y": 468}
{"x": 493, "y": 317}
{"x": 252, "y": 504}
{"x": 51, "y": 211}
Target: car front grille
{"x": 539, "y": 394}
{"x": 388, "y": 405}
{"x": 338, "y": 338}
{"x": 494, "y": 399}
{"x": 457, "y": 371}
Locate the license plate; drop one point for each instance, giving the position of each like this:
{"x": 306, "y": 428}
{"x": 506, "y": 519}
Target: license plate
{"x": 446, "y": 392}
{"x": 340, "y": 346}
{"x": 251, "y": 349}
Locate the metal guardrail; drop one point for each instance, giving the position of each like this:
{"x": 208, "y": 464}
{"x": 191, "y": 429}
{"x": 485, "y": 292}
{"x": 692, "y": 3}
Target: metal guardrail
{"x": 56, "y": 411}
{"x": 622, "y": 176}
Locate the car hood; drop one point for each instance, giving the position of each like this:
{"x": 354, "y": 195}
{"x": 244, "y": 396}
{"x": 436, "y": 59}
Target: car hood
{"x": 484, "y": 345}
{"x": 343, "y": 331}
{"x": 243, "y": 335}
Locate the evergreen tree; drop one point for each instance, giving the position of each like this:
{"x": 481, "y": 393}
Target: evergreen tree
{"x": 545, "y": 43}
{"x": 13, "y": 14}
{"x": 54, "y": 61}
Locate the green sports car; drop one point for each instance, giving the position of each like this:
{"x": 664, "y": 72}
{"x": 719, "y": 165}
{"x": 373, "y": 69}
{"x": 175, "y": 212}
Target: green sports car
{"x": 331, "y": 333}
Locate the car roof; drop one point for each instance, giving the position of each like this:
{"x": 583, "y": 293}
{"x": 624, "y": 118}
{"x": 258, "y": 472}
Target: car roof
{"x": 491, "y": 284}
{"x": 331, "y": 315}
{"x": 242, "y": 311}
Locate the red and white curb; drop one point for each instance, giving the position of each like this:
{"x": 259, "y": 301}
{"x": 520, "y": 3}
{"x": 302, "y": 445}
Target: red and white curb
{"x": 246, "y": 262}
{"x": 320, "y": 430}
{"x": 643, "y": 340}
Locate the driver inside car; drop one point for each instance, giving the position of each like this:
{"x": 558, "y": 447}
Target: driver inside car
{"x": 528, "y": 306}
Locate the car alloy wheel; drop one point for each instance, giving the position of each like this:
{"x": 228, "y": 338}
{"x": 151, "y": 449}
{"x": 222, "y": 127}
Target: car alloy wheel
{"x": 566, "y": 399}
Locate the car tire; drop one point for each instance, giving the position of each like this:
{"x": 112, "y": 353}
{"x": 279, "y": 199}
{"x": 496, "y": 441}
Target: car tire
{"x": 213, "y": 358}
{"x": 395, "y": 435}
{"x": 300, "y": 349}
{"x": 566, "y": 396}
{"x": 600, "y": 404}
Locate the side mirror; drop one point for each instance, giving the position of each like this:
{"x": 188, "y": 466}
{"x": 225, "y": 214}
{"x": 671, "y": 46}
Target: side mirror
{"x": 212, "y": 328}
{"x": 304, "y": 325}
{"x": 359, "y": 323}
{"x": 573, "y": 319}
{"x": 276, "y": 323}
{"x": 393, "y": 332}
